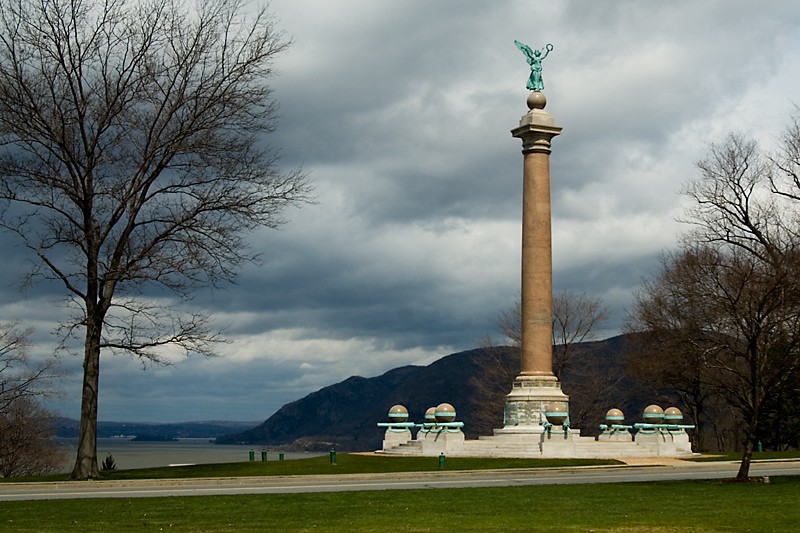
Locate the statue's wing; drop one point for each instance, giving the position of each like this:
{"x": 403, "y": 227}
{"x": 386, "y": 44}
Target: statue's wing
{"x": 525, "y": 50}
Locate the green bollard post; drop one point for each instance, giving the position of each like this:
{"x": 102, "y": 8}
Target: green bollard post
{"x": 760, "y": 447}
{"x": 441, "y": 460}
{"x": 280, "y": 456}
{"x": 333, "y": 456}
{"x": 252, "y": 456}
{"x": 263, "y": 456}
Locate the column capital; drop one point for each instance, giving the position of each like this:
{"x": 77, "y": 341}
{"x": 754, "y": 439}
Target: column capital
{"x": 536, "y": 129}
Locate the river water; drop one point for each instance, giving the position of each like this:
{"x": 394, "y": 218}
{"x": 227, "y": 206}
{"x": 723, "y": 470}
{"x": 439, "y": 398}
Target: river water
{"x": 128, "y": 453}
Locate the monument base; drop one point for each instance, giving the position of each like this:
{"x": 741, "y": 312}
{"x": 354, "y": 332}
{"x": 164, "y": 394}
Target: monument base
{"x": 620, "y": 436}
{"x": 538, "y": 443}
{"x": 394, "y": 437}
{"x": 436, "y": 441}
{"x": 528, "y": 434}
{"x": 666, "y": 443}
{"x": 527, "y": 404}
{"x": 429, "y": 442}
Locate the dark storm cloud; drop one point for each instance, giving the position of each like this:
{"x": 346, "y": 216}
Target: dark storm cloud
{"x": 400, "y": 112}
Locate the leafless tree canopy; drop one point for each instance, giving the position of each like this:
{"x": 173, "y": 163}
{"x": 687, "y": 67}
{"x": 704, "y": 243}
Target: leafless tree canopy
{"x": 133, "y": 157}
{"x": 723, "y": 312}
{"x": 19, "y": 376}
{"x": 27, "y": 447}
{"x": 576, "y": 319}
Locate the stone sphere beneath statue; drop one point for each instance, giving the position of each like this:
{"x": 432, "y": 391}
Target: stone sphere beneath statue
{"x": 556, "y": 414}
{"x": 653, "y": 414}
{"x": 673, "y": 415}
{"x": 536, "y": 100}
{"x": 615, "y": 415}
{"x": 398, "y": 413}
{"x": 445, "y": 413}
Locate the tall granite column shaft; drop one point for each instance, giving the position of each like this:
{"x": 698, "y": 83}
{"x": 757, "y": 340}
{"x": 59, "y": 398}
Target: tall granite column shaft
{"x": 536, "y": 130}
{"x": 536, "y": 388}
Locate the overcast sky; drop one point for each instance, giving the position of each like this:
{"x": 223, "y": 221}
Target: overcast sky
{"x": 401, "y": 112}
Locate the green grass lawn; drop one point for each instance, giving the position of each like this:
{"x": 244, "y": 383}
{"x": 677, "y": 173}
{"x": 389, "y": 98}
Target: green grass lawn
{"x": 345, "y": 464}
{"x": 633, "y": 507}
{"x": 658, "y": 507}
{"x": 358, "y": 464}
{"x": 757, "y": 456}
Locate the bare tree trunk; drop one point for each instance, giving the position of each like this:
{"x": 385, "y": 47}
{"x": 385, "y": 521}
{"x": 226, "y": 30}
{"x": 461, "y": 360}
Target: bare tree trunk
{"x": 697, "y": 407}
{"x": 747, "y": 457}
{"x": 752, "y": 418}
{"x": 86, "y": 466}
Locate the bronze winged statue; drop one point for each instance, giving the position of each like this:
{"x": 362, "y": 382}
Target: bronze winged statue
{"x": 535, "y": 58}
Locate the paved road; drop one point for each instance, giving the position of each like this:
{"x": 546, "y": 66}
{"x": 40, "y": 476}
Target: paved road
{"x": 354, "y": 482}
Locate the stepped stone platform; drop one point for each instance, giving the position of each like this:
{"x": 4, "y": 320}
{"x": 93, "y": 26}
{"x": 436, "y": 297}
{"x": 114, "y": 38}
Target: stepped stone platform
{"x": 536, "y": 442}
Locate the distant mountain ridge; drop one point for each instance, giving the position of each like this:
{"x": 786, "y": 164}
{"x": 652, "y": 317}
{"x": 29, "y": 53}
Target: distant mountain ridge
{"x": 345, "y": 415}
{"x": 68, "y": 428}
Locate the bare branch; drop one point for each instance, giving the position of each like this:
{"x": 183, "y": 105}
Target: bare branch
{"x": 19, "y": 377}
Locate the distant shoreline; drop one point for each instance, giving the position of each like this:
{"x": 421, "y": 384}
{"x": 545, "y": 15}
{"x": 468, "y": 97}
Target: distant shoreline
{"x": 153, "y": 438}
{"x": 129, "y": 453}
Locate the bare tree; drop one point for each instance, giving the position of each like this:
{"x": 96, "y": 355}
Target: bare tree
{"x": 133, "y": 160}
{"x": 729, "y": 299}
{"x": 499, "y": 365}
{"x": 509, "y": 324}
{"x": 671, "y": 351}
{"x": 576, "y": 319}
{"x": 591, "y": 385}
{"x": 733, "y": 332}
{"x": 19, "y": 376}
{"x": 26, "y": 444}
{"x": 27, "y": 447}
{"x": 785, "y": 181}
{"x": 747, "y": 210}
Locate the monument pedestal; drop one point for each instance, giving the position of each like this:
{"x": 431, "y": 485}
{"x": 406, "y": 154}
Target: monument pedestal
{"x": 528, "y": 402}
{"x": 619, "y": 436}
{"x": 439, "y": 441}
{"x": 667, "y": 443}
{"x": 394, "y": 437}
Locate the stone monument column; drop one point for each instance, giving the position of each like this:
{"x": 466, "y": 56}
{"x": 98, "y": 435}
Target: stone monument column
{"x": 536, "y": 387}
{"x": 536, "y": 130}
